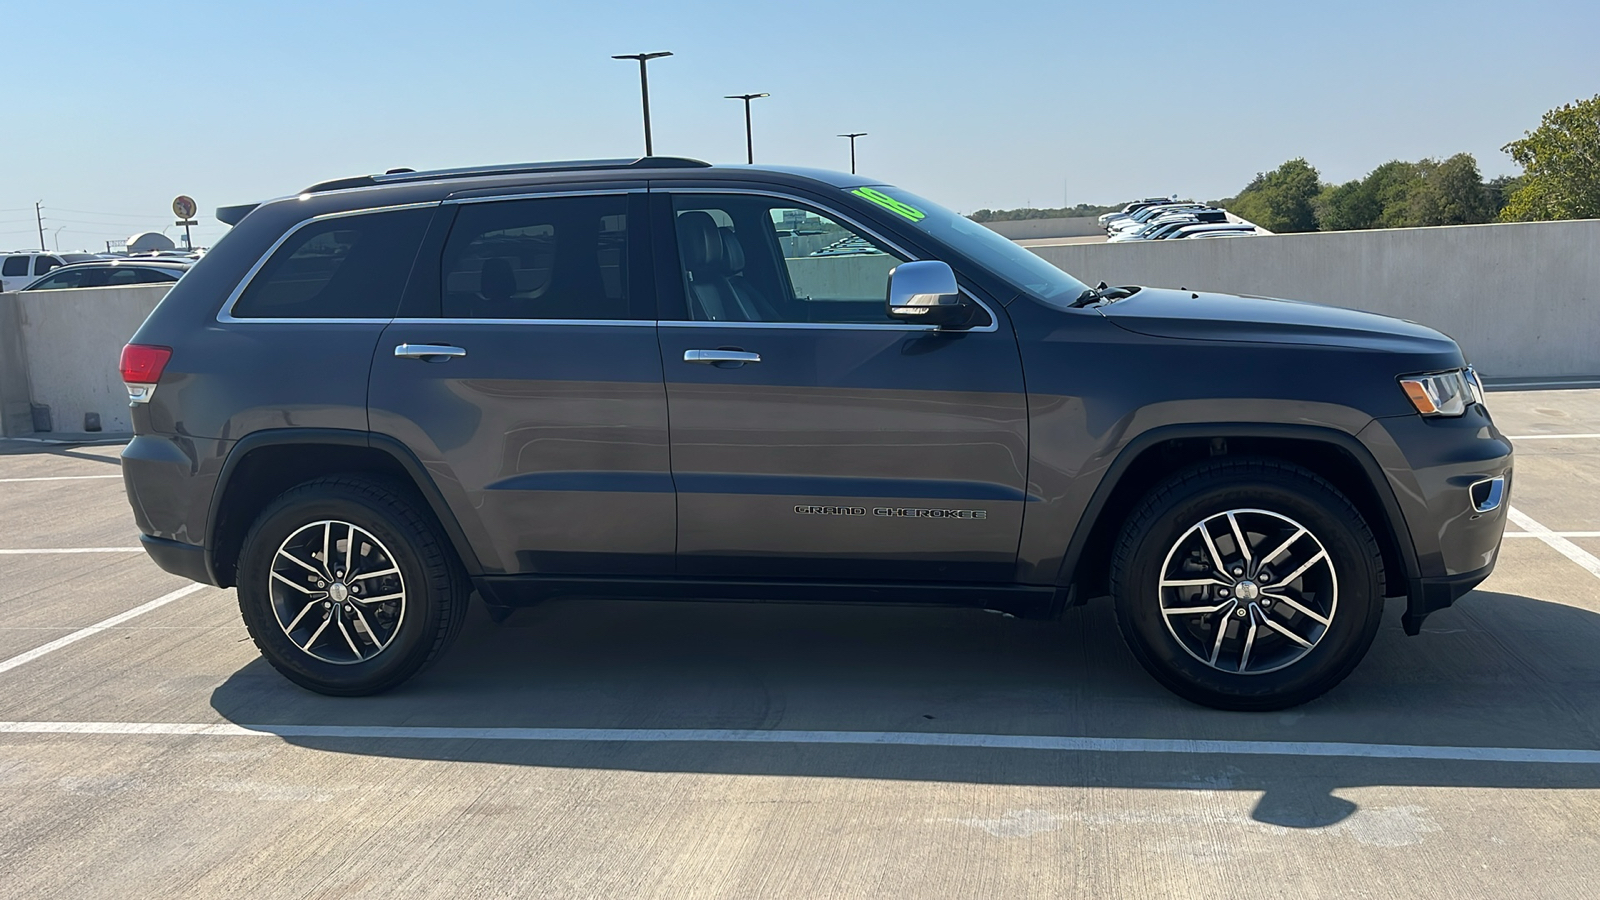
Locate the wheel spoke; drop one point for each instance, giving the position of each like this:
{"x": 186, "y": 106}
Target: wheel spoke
{"x": 385, "y": 598}
{"x": 299, "y": 587}
{"x": 1282, "y": 547}
{"x": 1198, "y": 610}
{"x": 310, "y": 605}
{"x": 316, "y": 634}
{"x": 370, "y": 633}
{"x": 1216, "y": 648}
{"x": 327, "y": 560}
{"x": 349, "y": 640}
{"x": 1216, "y": 558}
{"x": 1298, "y": 607}
{"x": 285, "y": 554}
{"x": 1267, "y": 620}
{"x": 389, "y": 571}
{"x": 1304, "y": 567}
{"x": 1195, "y": 582}
{"x": 350, "y": 549}
{"x": 1249, "y": 643}
{"x": 1238, "y": 537}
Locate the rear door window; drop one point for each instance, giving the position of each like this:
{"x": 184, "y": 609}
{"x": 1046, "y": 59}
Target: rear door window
{"x": 15, "y": 267}
{"x": 44, "y": 264}
{"x": 345, "y": 267}
{"x": 543, "y": 258}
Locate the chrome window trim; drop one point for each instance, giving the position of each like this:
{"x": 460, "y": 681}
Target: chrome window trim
{"x": 225, "y": 315}
{"x": 626, "y": 323}
{"x": 711, "y": 189}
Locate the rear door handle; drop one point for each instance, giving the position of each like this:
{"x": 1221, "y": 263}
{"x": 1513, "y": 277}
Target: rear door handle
{"x": 428, "y": 351}
{"x": 720, "y": 356}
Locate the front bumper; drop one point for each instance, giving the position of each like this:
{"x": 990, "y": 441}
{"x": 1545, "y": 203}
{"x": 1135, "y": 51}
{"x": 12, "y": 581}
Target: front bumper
{"x": 1437, "y": 470}
{"x": 178, "y": 558}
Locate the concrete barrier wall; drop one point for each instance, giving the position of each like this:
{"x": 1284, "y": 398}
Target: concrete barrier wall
{"x": 1523, "y": 300}
{"x": 1027, "y": 229}
{"x": 69, "y": 346}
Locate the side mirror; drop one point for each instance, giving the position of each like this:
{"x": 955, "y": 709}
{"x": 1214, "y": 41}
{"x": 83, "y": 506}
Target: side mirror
{"x": 925, "y": 292}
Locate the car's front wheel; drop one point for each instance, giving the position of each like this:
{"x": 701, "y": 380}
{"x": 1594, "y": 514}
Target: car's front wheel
{"x": 348, "y": 588}
{"x": 1248, "y": 585}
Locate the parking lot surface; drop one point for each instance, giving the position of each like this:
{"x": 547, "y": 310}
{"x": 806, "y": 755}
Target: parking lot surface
{"x": 609, "y": 749}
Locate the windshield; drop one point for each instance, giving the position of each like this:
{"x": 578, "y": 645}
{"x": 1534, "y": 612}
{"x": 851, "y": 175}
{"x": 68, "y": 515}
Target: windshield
{"x": 1019, "y": 266}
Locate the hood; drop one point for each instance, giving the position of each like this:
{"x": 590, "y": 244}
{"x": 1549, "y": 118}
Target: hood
{"x": 1158, "y": 312}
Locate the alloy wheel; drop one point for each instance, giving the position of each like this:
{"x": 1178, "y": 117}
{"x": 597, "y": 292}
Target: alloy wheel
{"x": 337, "y": 592}
{"x": 1248, "y": 591}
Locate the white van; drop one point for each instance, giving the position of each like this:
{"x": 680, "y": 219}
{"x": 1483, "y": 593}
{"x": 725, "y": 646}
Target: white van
{"x": 19, "y": 269}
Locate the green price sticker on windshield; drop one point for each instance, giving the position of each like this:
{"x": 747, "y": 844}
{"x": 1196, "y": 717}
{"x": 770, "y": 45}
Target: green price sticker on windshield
{"x": 890, "y": 203}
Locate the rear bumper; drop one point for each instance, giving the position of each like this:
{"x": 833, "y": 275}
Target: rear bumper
{"x": 178, "y": 558}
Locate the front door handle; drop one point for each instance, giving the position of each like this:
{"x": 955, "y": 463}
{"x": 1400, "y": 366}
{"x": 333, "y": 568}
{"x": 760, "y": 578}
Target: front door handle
{"x": 713, "y": 357}
{"x": 429, "y": 352}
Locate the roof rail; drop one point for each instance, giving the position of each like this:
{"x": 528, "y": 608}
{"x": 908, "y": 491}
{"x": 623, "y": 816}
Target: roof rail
{"x": 394, "y": 176}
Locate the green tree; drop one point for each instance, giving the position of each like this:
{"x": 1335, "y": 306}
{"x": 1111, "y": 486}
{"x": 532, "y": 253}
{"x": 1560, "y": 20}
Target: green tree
{"x": 1362, "y": 203}
{"x": 1448, "y": 193}
{"x": 1561, "y": 161}
{"x": 1281, "y": 200}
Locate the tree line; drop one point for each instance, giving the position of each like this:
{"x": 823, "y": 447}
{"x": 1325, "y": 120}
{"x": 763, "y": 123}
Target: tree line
{"x": 1560, "y": 160}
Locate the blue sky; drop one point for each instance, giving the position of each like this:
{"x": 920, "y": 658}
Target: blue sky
{"x": 974, "y": 104}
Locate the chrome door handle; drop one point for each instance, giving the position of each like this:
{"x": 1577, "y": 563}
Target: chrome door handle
{"x": 427, "y": 351}
{"x": 720, "y": 356}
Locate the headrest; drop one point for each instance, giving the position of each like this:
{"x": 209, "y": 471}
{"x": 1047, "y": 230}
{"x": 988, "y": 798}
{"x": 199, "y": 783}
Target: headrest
{"x": 699, "y": 241}
{"x": 497, "y": 280}
{"x": 732, "y": 250}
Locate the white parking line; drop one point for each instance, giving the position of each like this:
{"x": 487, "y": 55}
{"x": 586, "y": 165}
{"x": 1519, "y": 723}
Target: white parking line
{"x": 98, "y": 627}
{"x": 58, "y": 478}
{"x": 1551, "y": 437}
{"x": 1561, "y": 545}
{"x": 1565, "y": 534}
{"x": 23, "y": 551}
{"x": 879, "y": 738}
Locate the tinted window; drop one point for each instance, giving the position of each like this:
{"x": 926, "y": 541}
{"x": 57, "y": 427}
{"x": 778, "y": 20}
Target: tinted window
{"x": 15, "y": 266}
{"x": 44, "y": 264}
{"x": 552, "y": 258}
{"x": 348, "y": 267}
{"x": 122, "y": 275}
{"x": 70, "y": 278}
{"x": 751, "y": 259}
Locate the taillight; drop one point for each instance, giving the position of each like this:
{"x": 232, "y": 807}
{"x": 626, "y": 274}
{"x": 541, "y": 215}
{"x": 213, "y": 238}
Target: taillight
{"x": 142, "y": 365}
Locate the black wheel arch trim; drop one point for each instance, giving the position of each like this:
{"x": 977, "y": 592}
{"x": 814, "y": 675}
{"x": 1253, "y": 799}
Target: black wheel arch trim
{"x": 1418, "y": 606}
{"x": 311, "y": 437}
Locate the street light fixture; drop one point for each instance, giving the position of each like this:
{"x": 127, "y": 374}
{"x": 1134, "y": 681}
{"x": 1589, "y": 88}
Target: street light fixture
{"x": 749, "y": 146}
{"x": 852, "y": 136}
{"x": 644, "y": 91}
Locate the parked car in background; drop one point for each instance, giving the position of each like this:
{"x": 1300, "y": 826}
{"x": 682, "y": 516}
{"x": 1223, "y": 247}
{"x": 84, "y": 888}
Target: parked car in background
{"x": 1131, "y": 208}
{"x": 23, "y": 266}
{"x": 113, "y": 273}
{"x": 1189, "y": 231}
{"x": 1150, "y": 213}
{"x": 1168, "y": 222}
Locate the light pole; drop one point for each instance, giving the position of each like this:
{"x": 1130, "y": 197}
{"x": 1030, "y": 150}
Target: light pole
{"x": 852, "y": 136}
{"x": 644, "y": 91}
{"x": 749, "y": 146}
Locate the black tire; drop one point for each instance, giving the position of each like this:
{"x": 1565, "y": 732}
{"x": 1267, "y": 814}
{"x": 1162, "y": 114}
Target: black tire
{"x": 434, "y": 586}
{"x": 1152, "y": 550}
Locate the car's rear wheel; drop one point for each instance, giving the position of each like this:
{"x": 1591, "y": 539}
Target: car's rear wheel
{"x": 348, "y": 588}
{"x": 1248, "y": 585}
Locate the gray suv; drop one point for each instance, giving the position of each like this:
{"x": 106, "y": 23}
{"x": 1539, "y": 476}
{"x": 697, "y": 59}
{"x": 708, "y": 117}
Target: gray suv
{"x": 663, "y": 379}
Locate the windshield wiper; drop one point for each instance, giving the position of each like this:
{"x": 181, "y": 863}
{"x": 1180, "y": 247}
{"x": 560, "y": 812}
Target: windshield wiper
{"x": 1102, "y": 294}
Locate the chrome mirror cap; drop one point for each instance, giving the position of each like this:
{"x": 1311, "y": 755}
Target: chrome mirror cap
{"x": 925, "y": 291}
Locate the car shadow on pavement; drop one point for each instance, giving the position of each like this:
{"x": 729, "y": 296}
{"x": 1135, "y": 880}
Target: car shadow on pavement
{"x": 1498, "y": 670}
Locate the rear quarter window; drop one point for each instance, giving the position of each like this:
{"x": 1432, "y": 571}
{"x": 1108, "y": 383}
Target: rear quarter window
{"x": 345, "y": 267}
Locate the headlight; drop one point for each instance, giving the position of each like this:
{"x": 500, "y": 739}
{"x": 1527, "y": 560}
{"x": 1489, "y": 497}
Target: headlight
{"x": 1475, "y": 385}
{"x": 1443, "y": 393}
